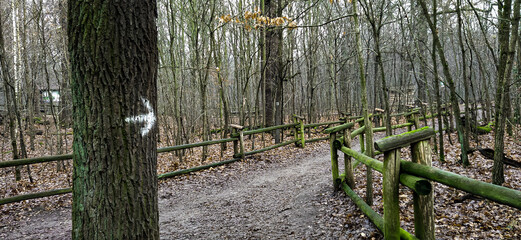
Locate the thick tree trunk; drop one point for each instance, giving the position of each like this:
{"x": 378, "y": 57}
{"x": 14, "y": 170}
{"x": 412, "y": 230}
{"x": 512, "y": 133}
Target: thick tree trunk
{"x": 113, "y": 53}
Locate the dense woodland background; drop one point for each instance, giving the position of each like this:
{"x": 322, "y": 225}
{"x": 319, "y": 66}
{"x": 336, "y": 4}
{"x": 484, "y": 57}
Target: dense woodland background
{"x": 256, "y": 63}
{"x": 212, "y": 61}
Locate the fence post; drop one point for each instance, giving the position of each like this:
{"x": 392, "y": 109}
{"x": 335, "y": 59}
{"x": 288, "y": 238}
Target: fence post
{"x": 334, "y": 161}
{"x": 416, "y": 120}
{"x": 238, "y": 146}
{"x": 362, "y": 139}
{"x": 390, "y": 194}
{"x": 299, "y": 131}
{"x": 348, "y": 167}
{"x": 423, "y": 204}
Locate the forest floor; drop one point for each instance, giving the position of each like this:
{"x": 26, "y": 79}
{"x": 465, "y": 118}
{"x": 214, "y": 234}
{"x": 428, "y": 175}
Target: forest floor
{"x": 287, "y": 194}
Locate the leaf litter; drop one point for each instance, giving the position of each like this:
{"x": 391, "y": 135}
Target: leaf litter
{"x": 326, "y": 214}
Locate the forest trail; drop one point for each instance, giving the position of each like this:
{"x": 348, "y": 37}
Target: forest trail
{"x": 257, "y": 198}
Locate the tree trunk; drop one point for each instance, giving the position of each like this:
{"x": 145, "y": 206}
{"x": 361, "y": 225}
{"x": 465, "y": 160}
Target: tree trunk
{"x": 504, "y": 68}
{"x": 114, "y": 59}
{"x": 450, "y": 81}
{"x": 365, "y": 107}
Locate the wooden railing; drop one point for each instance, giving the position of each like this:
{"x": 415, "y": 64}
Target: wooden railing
{"x": 237, "y": 137}
{"x": 415, "y": 175}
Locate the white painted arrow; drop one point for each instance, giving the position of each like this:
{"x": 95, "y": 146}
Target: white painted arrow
{"x": 149, "y": 119}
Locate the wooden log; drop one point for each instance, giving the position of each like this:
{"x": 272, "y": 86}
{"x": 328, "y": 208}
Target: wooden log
{"x": 192, "y": 145}
{"x": 334, "y": 160}
{"x": 241, "y": 144}
{"x": 376, "y": 219}
{"x": 270, "y": 147}
{"x": 19, "y": 198}
{"x": 268, "y": 129}
{"x": 317, "y": 139}
{"x": 299, "y": 131}
{"x": 235, "y": 142}
{"x": 348, "y": 165}
{"x": 489, "y": 154}
{"x": 361, "y": 137}
{"x": 390, "y": 194}
{"x": 419, "y": 185}
{"x": 416, "y": 120}
{"x": 313, "y": 125}
{"x": 382, "y": 129}
{"x": 298, "y": 117}
{"x": 27, "y": 161}
{"x": 358, "y": 131}
{"x": 490, "y": 191}
{"x": 423, "y": 204}
{"x": 339, "y": 128}
{"x": 235, "y": 126}
{"x": 404, "y": 139}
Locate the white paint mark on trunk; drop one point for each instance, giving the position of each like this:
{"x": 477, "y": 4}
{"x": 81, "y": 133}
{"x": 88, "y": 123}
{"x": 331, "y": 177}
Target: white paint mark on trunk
{"x": 149, "y": 119}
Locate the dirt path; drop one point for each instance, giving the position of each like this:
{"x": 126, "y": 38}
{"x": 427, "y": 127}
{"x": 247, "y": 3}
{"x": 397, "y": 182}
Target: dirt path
{"x": 274, "y": 197}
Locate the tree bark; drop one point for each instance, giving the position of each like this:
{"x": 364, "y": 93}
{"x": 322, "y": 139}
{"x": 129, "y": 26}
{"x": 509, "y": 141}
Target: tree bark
{"x": 367, "y": 123}
{"x": 504, "y": 69}
{"x": 449, "y": 79}
{"x": 114, "y": 59}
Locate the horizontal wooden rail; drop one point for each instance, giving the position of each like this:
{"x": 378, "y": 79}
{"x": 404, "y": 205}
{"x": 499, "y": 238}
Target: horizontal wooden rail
{"x": 339, "y": 128}
{"x": 404, "y": 139}
{"x": 267, "y": 129}
{"x": 382, "y": 129}
{"x": 489, "y": 191}
{"x": 27, "y": 161}
{"x": 417, "y": 184}
{"x": 19, "y": 198}
{"x": 357, "y": 132}
{"x": 370, "y": 213}
{"x": 193, "y": 145}
{"x": 271, "y": 147}
{"x": 317, "y": 139}
{"x": 312, "y": 125}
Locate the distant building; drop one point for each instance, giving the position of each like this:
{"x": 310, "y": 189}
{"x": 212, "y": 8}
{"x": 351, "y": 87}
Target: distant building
{"x": 48, "y": 98}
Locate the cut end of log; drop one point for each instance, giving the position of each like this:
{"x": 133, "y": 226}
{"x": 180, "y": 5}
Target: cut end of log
{"x": 423, "y": 187}
{"x": 236, "y": 126}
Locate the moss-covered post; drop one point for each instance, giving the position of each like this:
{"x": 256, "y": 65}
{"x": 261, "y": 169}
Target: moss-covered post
{"x": 390, "y": 194}
{"x": 299, "y": 131}
{"x": 334, "y": 160}
{"x": 411, "y": 120}
{"x": 238, "y": 145}
{"x": 235, "y": 142}
{"x": 361, "y": 137}
{"x": 348, "y": 167}
{"x": 416, "y": 120}
{"x": 423, "y": 204}
{"x": 390, "y": 146}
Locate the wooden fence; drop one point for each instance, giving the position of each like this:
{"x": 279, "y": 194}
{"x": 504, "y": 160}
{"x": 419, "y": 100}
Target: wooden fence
{"x": 415, "y": 175}
{"x": 237, "y": 137}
